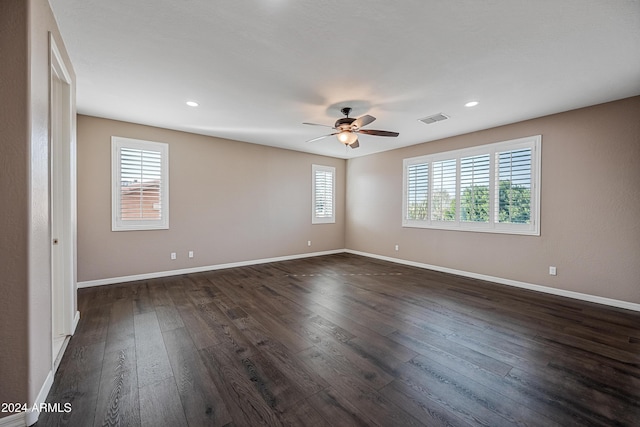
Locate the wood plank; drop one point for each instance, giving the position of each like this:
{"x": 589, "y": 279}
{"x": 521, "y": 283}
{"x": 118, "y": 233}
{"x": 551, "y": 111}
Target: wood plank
{"x": 117, "y": 402}
{"x": 464, "y": 398}
{"x": 152, "y": 362}
{"x": 200, "y": 398}
{"x": 288, "y": 337}
{"x": 569, "y": 395}
{"x": 93, "y": 325}
{"x": 169, "y": 318}
{"x": 337, "y": 411}
{"x": 287, "y": 362}
{"x": 414, "y": 401}
{"x": 248, "y": 402}
{"x": 159, "y": 293}
{"x": 374, "y": 407}
{"x": 615, "y": 377}
{"x": 276, "y": 389}
{"x": 120, "y": 332}
{"x": 202, "y": 335}
{"x": 425, "y": 343}
{"x": 348, "y": 358}
{"x": 142, "y": 301}
{"x": 230, "y": 338}
{"x": 160, "y": 404}
{"x": 77, "y": 384}
{"x": 303, "y": 414}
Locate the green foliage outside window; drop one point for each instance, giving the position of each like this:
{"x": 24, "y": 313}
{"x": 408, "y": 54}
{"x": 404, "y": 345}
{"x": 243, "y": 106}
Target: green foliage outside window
{"x": 474, "y": 204}
{"x": 418, "y": 211}
{"x": 514, "y": 205}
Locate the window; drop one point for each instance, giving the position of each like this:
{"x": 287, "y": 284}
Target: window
{"x": 140, "y": 184}
{"x": 417, "y": 191}
{"x": 474, "y": 188}
{"x": 443, "y": 190}
{"x": 490, "y": 188}
{"x": 324, "y": 189}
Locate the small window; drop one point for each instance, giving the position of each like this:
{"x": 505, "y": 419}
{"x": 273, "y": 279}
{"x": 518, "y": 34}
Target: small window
{"x": 492, "y": 188}
{"x": 323, "y": 191}
{"x": 140, "y": 184}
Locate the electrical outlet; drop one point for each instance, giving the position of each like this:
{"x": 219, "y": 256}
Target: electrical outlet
{"x": 308, "y": 242}
{"x": 552, "y": 271}
{"x": 397, "y": 248}
{"x": 174, "y": 255}
{"x": 190, "y": 254}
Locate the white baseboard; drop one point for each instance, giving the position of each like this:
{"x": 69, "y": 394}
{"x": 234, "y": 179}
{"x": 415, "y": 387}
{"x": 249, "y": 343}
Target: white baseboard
{"x": 509, "y": 282}
{"x": 15, "y": 420}
{"x": 76, "y": 319}
{"x": 147, "y": 276}
{"x": 30, "y": 417}
{"x": 539, "y": 288}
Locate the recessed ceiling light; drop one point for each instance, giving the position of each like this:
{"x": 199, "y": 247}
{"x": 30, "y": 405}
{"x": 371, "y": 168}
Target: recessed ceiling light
{"x": 471, "y": 104}
{"x": 192, "y": 103}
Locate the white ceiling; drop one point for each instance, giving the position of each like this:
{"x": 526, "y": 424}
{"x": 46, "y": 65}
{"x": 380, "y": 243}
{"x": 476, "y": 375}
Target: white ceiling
{"x": 259, "y": 68}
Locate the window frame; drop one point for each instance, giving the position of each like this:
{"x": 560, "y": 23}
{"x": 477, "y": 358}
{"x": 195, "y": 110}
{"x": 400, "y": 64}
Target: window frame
{"x": 117, "y": 223}
{"x": 323, "y": 219}
{"x": 492, "y": 226}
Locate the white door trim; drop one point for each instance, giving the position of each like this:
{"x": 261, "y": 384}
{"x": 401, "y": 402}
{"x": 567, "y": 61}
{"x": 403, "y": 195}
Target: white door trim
{"x": 62, "y": 202}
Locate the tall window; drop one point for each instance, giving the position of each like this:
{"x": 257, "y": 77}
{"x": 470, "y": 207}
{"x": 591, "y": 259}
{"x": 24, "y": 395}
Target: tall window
{"x": 491, "y": 188}
{"x": 324, "y": 189}
{"x": 140, "y": 184}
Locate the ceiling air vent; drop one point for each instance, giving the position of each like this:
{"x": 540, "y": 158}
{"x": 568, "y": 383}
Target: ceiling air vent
{"x": 434, "y": 118}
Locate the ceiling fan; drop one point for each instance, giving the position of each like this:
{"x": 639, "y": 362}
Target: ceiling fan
{"x": 348, "y": 129}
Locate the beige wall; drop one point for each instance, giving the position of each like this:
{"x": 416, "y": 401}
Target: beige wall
{"x": 229, "y": 202}
{"x": 14, "y": 207}
{"x": 590, "y": 205}
{"x": 25, "y": 306}
{"x": 589, "y": 201}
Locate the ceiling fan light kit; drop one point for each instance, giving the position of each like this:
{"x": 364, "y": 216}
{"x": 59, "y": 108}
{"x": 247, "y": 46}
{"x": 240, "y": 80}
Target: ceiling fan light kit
{"x": 347, "y": 137}
{"x": 348, "y": 129}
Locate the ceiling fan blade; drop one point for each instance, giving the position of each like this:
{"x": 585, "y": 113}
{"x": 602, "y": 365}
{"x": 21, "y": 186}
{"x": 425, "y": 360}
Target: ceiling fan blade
{"x": 354, "y": 144}
{"x": 377, "y": 132}
{"x": 363, "y": 121}
{"x": 317, "y": 124}
{"x": 322, "y": 137}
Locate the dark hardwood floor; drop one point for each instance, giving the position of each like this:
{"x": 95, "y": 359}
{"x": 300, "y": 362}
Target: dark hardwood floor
{"x": 344, "y": 340}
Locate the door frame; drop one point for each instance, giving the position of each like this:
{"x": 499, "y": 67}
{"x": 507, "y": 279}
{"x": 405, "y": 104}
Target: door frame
{"x": 62, "y": 202}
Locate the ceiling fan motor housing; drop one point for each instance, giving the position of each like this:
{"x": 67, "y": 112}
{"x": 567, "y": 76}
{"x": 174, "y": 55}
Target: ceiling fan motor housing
{"x": 344, "y": 123}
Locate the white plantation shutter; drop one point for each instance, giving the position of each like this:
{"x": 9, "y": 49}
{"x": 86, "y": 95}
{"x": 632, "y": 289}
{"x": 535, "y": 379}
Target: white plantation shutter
{"x": 443, "y": 193}
{"x": 474, "y": 188}
{"x": 417, "y": 192}
{"x": 514, "y": 184}
{"x": 491, "y": 188}
{"x": 140, "y": 185}
{"x": 323, "y": 194}
{"x": 140, "y": 181}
